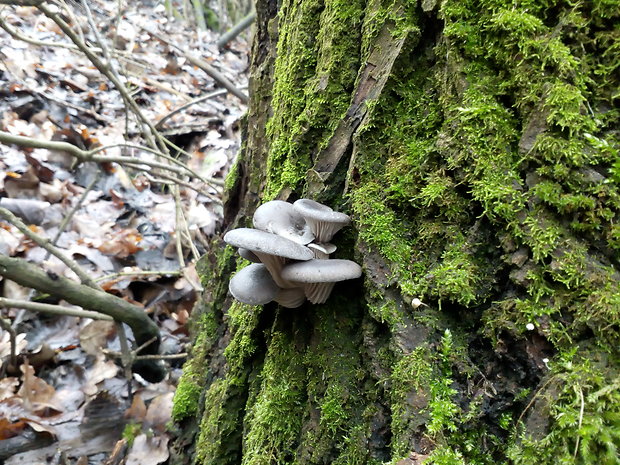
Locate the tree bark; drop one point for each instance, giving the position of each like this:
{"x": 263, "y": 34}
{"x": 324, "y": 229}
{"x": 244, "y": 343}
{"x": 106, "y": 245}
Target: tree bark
{"x": 475, "y": 146}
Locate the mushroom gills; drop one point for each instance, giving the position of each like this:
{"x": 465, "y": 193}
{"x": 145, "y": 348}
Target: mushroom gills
{"x": 291, "y": 298}
{"x": 318, "y": 293}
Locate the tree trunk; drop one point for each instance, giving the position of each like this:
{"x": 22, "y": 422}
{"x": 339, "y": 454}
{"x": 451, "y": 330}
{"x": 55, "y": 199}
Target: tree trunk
{"x": 475, "y": 146}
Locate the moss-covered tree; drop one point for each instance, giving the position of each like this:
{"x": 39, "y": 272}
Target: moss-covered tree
{"x": 475, "y": 145}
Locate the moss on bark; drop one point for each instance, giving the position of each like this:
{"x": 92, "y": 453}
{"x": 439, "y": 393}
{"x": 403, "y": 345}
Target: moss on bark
{"x": 475, "y": 145}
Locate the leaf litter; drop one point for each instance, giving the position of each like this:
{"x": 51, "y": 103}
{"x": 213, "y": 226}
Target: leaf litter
{"x": 66, "y": 399}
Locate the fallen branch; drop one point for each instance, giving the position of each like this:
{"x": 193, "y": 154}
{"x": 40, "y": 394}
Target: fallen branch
{"x": 144, "y": 329}
{"x": 237, "y": 29}
{"x": 91, "y": 155}
{"x": 52, "y": 309}
{"x": 203, "y": 65}
{"x": 47, "y": 245}
{"x": 210, "y": 95}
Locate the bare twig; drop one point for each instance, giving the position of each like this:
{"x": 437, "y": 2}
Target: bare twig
{"x": 178, "y": 227}
{"x": 203, "y": 65}
{"x": 47, "y": 245}
{"x": 208, "y": 96}
{"x": 76, "y": 207}
{"x": 237, "y": 29}
{"x": 111, "y": 277}
{"x": 6, "y": 325}
{"x": 172, "y": 181}
{"x": 115, "y": 354}
{"x": 52, "y": 309}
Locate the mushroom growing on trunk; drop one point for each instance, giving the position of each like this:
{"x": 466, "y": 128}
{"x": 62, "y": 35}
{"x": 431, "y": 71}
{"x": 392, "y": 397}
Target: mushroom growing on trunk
{"x": 319, "y": 276}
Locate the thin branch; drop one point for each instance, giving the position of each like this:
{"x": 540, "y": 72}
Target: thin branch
{"x": 203, "y": 65}
{"x": 111, "y": 277}
{"x": 237, "y": 29}
{"x": 76, "y": 207}
{"x": 6, "y": 325}
{"x": 52, "y": 309}
{"x": 90, "y": 155}
{"x": 47, "y": 245}
{"x": 178, "y": 227}
{"x": 104, "y": 68}
{"x": 29, "y": 275}
{"x": 115, "y": 354}
{"x": 208, "y": 96}
{"x": 172, "y": 181}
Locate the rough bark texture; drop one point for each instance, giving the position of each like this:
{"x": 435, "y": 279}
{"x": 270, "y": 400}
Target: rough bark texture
{"x": 475, "y": 145}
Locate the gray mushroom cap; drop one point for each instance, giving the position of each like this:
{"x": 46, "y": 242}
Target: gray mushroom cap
{"x": 261, "y": 242}
{"x": 253, "y": 285}
{"x": 323, "y": 221}
{"x": 319, "y": 276}
{"x": 321, "y": 271}
{"x": 279, "y": 217}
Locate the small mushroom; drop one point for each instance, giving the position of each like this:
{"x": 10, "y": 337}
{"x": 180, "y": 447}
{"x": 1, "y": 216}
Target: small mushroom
{"x": 253, "y": 285}
{"x": 279, "y": 217}
{"x": 322, "y": 251}
{"x": 291, "y": 298}
{"x": 271, "y": 249}
{"x": 323, "y": 221}
{"x": 319, "y": 276}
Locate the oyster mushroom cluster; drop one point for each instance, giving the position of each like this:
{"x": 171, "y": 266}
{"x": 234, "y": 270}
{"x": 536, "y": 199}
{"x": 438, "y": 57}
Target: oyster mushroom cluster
{"x": 290, "y": 248}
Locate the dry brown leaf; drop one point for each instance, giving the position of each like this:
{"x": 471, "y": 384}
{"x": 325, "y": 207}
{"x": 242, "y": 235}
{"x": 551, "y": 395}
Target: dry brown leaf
{"x": 148, "y": 450}
{"x": 137, "y": 411}
{"x": 9, "y": 241}
{"x": 94, "y": 335}
{"x": 5, "y": 344}
{"x": 12, "y": 290}
{"x": 100, "y": 371}
{"x": 9, "y": 429}
{"x": 122, "y": 244}
{"x": 8, "y": 386}
{"x": 36, "y": 394}
{"x": 160, "y": 411}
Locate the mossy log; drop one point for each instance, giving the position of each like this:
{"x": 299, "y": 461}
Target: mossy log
{"x": 475, "y": 145}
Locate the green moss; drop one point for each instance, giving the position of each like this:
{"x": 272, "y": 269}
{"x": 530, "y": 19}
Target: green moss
{"x": 274, "y": 419}
{"x": 233, "y": 176}
{"x": 410, "y": 379}
{"x": 187, "y": 394}
{"x": 213, "y": 423}
{"x": 582, "y": 396}
{"x": 130, "y": 432}
{"x": 484, "y": 182}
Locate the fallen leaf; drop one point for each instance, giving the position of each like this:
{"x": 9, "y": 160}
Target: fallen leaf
{"x": 10, "y": 429}
{"x": 148, "y": 450}
{"x": 159, "y": 412}
{"x": 137, "y": 411}
{"x": 8, "y": 387}
{"x": 94, "y": 336}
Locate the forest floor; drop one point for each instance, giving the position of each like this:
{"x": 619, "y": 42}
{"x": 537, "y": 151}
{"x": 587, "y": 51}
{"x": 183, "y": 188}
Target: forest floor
{"x": 64, "y": 397}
